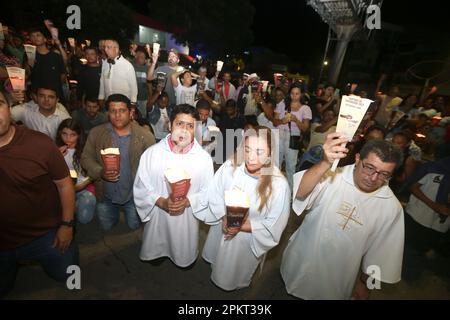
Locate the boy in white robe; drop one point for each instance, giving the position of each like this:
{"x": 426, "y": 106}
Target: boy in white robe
{"x": 354, "y": 223}
{"x": 235, "y": 254}
{"x": 171, "y": 228}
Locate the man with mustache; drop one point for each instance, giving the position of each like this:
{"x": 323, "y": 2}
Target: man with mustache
{"x": 172, "y": 66}
{"x": 114, "y": 189}
{"x": 172, "y": 227}
{"x": 354, "y": 225}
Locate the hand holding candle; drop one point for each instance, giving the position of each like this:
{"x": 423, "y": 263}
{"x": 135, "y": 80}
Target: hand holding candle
{"x": 219, "y": 65}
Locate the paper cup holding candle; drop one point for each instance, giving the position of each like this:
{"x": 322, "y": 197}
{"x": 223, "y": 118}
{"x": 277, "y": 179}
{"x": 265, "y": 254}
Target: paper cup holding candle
{"x": 156, "y": 47}
{"x": 219, "y": 65}
{"x": 351, "y": 113}
{"x": 179, "y": 183}
{"x": 237, "y": 203}
{"x": 31, "y": 53}
{"x": 54, "y": 33}
{"x": 111, "y": 159}
{"x": 17, "y": 78}
{"x": 48, "y": 24}
{"x": 265, "y": 85}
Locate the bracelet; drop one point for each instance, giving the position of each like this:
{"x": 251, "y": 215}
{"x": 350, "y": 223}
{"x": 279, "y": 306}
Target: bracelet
{"x": 70, "y": 223}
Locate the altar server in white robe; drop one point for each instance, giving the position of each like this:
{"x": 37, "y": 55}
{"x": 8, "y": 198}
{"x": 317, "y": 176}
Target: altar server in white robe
{"x": 172, "y": 228}
{"x": 354, "y": 223}
{"x": 235, "y": 253}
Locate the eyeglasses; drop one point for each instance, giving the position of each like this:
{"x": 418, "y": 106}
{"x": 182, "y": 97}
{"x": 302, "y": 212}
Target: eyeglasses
{"x": 370, "y": 171}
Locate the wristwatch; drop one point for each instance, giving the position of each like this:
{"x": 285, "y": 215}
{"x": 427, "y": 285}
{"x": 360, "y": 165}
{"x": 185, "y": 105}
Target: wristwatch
{"x": 70, "y": 223}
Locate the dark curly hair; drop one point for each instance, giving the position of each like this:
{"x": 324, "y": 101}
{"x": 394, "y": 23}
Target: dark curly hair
{"x": 74, "y": 126}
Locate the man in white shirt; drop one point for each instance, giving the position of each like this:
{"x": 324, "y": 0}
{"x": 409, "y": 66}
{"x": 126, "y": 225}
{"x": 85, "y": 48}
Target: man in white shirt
{"x": 44, "y": 115}
{"x": 118, "y": 75}
{"x": 354, "y": 223}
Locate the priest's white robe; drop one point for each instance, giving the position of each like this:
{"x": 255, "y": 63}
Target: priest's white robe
{"x": 175, "y": 237}
{"x": 234, "y": 261}
{"x": 345, "y": 229}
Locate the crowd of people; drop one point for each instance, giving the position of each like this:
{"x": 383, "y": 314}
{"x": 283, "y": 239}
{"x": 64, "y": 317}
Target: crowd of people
{"x": 82, "y": 100}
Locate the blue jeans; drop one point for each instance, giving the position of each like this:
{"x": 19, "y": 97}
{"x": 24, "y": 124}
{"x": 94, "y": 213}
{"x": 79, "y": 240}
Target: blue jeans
{"x": 53, "y": 262}
{"x": 85, "y": 206}
{"x": 288, "y": 155}
{"x": 108, "y": 214}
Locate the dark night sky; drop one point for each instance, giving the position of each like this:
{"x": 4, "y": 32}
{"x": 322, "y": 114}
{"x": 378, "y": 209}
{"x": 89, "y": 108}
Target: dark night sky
{"x": 293, "y": 28}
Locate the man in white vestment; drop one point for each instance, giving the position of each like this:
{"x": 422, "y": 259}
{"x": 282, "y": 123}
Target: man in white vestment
{"x": 353, "y": 233}
{"x": 171, "y": 227}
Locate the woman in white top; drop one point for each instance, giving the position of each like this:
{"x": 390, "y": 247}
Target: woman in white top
{"x": 70, "y": 140}
{"x": 235, "y": 253}
{"x": 292, "y": 118}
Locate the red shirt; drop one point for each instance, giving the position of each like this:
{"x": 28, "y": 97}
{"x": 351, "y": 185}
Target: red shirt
{"x": 29, "y": 200}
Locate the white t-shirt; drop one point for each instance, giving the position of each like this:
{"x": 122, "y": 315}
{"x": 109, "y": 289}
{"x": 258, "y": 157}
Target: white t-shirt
{"x": 69, "y": 161}
{"x": 161, "y": 128}
{"x": 345, "y": 229}
{"x": 303, "y": 113}
{"x": 263, "y": 121}
{"x": 28, "y": 113}
{"x": 420, "y": 212}
{"x": 185, "y": 94}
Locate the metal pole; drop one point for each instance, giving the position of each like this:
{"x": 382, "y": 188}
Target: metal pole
{"x": 345, "y": 33}
{"x": 325, "y": 54}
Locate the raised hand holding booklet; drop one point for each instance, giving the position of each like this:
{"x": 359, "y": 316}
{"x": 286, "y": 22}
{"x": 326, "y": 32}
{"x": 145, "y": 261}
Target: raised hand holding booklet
{"x": 352, "y": 111}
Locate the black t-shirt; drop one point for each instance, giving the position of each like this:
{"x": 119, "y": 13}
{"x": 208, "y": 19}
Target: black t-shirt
{"x": 89, "y": 81}
{"x": 235, "y": 123}
{"x": 47, "y": 72}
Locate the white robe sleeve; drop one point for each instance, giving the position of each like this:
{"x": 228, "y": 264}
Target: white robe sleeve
{"x": 132, "y": 83}
{"x": 216, "y": 195}
{"x": 145, "y": 194}
{"x": 199, "y": 200}
{"x": 101, "y": 92}
{"x": 386, "y": 249}
{"x": 267, "y": 230}
{"x": 299, "y": 206}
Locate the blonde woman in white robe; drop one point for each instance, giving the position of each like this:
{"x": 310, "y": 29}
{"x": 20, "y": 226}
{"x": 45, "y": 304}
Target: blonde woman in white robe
{"x": 235, "y": 253}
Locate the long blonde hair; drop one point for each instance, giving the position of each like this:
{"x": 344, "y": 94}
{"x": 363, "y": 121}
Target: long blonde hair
{"x": 265, "y": 180}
